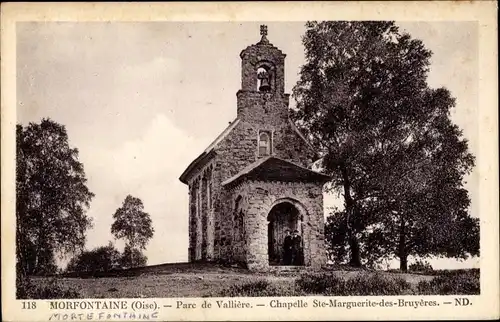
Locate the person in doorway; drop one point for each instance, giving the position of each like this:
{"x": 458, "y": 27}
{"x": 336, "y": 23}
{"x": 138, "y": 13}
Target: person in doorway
{"x": 296, "y": 248}
{"x": 287, "y": 248}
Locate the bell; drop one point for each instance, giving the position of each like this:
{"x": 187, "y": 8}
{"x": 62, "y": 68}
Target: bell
{"x": 264, "y": 85}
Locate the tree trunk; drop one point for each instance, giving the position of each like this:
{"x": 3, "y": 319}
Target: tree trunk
{"x": 403, "y": 256}
{"x": 21, "y": 265}
{"x": 22, "y": 252}
{"x": 355, "y": 256}
{"x": 355, "y": 260}
{"x": 39, "y": 248}
{"x": 36, "y": 261}
{"x": 403, "y": 264}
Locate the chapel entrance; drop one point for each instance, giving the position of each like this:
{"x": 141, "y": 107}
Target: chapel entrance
{"x": 282, "y": 217}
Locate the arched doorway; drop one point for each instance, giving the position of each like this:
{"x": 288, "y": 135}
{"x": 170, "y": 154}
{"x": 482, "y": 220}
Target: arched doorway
{"x": 284, "y": 217}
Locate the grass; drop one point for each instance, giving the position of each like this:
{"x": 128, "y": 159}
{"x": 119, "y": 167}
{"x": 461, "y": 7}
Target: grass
{"x": 465, "y": 282}
{"x": 216, "y": 281}
{"x": 360, "y": 284}
{"x": 259, "y": 288}
{"x": 48, "y": 288}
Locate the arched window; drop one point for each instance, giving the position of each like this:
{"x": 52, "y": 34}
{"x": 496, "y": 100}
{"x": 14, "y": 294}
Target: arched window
{"x": 238, "y": 230}
{"x": 264, "y": 144}
{"x": 237, "y": 206}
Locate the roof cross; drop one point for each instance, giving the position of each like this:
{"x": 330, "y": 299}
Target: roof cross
{"x": 263, "y": 30}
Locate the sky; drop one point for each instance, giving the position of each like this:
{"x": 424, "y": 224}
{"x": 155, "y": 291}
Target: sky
{"x": 141, "y": 100}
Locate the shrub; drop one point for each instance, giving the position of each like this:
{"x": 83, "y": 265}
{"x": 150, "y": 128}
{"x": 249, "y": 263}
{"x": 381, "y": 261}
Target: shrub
{"x": 321, "y": 284}
{"x": 455, "y": 272}
{"x": 100, "y": 259}
{"x": 420, "y": 266}
{"x": 361, "y": 284}
{"x": 452, "y": 283}
{"x": 343, "y": 267}
{"x": 376, "y": 284}
{"x": 26, "y": 289}
{"x": 132, "y": 257}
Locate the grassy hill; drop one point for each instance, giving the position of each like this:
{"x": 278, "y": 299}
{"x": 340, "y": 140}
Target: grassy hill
{"x": 204, "y": 280}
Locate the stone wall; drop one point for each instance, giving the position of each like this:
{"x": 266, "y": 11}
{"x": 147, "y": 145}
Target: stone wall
{"x": 212, "y": 227}
{"x": 262, "y": 108}
{"x": 201, "y": 215}
{"x": 238, "y": 150}
{"x": 258, "y": 55}
{"x": 192, "y": 223}
{"x": 261, "y": 197}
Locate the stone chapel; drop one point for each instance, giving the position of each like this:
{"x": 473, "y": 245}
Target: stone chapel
{"x": 255, "y": 180}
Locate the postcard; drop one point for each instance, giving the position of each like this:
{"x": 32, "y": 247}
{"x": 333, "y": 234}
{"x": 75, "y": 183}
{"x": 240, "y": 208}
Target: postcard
{"x": 249, "y": 161}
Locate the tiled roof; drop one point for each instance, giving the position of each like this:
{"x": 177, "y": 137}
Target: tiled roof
{"x": 275, "y": 169}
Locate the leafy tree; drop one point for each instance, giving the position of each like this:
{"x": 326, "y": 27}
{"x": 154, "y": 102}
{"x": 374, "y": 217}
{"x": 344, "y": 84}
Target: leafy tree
{"x": 433, "y": 221}
{"x": 51, "y": 197}
{"x": 132, "y": 224}
{"x": 386, "y": 139}
{"x": 132, "y": 257}
{"x": 100, "y": 259}
{"x": 335, "y": 237}
{"x": 372, "y": 248}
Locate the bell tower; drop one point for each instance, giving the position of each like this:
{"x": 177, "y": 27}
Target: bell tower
{"x": 262, "y": 94}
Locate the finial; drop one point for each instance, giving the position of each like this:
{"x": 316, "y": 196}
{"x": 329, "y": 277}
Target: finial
{"x": 263, "y": 33}
{"x": 263, "y": 30}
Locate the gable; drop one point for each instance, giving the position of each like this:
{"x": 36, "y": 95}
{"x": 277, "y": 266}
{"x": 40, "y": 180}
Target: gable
{"x": 241, "y": 138}
{"x": 223, "y": 135}
{"x": 208, "y": 153}
{"x": 276, "y": 169}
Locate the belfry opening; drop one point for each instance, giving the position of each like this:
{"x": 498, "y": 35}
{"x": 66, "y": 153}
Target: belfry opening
{"x": 284, "y": 231}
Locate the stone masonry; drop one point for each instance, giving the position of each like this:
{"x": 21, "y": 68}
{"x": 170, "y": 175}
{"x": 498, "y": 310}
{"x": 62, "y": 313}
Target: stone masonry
{"x": 260, "y": 197}
{"x": 228, "y": 220}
